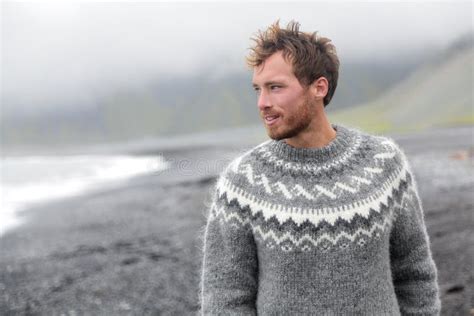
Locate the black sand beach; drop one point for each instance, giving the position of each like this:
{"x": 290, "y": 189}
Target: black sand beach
{"x": 135, "y": 248}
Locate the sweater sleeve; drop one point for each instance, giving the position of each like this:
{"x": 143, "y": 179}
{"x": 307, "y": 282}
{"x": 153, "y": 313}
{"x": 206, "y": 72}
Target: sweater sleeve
{"x": 414, "y": 272}
{"x": 229, "y": 270}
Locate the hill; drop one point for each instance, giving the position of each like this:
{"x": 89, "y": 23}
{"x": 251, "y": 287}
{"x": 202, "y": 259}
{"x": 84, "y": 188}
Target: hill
{"x": 437, "y": 94}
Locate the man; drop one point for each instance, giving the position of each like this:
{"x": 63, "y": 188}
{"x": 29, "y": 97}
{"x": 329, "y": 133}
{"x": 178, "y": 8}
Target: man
{"x": 321, "y": 219}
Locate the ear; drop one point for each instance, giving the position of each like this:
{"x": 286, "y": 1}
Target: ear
{"x": 319, "y": 88}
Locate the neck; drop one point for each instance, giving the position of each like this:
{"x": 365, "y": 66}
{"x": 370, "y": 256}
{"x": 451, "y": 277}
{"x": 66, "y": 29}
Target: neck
{"x": 319, "y": 134}
{"x": 340, "y": 144}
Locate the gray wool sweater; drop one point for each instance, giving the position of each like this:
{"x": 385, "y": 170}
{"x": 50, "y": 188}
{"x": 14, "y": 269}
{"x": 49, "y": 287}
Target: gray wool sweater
{"x": 337, "y": 230}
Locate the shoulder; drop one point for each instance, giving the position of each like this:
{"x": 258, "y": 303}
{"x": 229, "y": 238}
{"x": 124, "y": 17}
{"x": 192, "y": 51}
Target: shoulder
{"x": 384, "y": 150}
{"x": 243, "y": 157}
{"x": 241, "y": 163}
{"x": 391, "y": 147}
{"x": 386, "y": 157}
{"x": 228, "y": 189}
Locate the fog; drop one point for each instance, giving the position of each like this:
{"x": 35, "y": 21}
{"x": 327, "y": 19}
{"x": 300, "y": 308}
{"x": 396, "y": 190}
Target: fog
{"x": 62, "y": 54}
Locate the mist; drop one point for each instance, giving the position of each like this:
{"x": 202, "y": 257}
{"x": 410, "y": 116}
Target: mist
{"x": 57, "y": 54}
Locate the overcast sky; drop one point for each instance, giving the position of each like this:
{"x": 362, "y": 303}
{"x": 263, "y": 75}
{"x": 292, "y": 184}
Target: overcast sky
{"x": 57, "y": 51}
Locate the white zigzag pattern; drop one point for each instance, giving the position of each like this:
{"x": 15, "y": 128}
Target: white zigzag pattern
{"x": 362, "y": 180}
{"x": 315, "y": 216}
{"x": 298, "y": 190}
{"x": 265, "y": 183}
{"x": 370, "y": 172}
{"x": 282, "y": 188}
{"x": 386, "y": 155}
{"x": 226, "y": 215}
{"x": 346, "y": 187}
{"x": 248, "y": 171}
{"x": 322, "y": 190}
{"x": 316, "y": 242}
{"x": 408, "y": 199}
{"x": 288, "y": 236}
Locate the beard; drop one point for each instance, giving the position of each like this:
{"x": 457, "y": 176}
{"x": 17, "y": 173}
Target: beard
{"x": 295, "y": 123}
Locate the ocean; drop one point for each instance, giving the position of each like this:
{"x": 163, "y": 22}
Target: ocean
{"x": 29, "y": 180}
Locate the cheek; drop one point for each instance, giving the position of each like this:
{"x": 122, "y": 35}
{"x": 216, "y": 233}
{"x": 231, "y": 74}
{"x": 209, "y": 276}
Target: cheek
{"x": 287, "y": 102}
{"x": 299, "y": 112}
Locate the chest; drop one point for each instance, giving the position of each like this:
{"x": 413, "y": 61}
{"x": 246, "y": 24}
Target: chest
{"x": 325, "y": 229}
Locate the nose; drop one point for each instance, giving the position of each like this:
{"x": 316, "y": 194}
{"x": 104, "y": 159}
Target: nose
{"x": 263, "y": 100}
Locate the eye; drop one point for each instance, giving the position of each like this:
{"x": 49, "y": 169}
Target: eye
{"x": 256, "y": 89}
{"x": 275, "y": 87}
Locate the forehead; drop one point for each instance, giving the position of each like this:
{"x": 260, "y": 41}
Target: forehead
{"x": 275, "y": 67}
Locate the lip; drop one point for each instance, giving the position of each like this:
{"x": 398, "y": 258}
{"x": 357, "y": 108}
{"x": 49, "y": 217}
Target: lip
{"x": 271, "y": 119}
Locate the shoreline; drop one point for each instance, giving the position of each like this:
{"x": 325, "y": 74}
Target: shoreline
{"x": 36, "y": 180}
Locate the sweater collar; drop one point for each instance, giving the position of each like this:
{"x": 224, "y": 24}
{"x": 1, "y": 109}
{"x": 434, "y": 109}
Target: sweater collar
{"x": 343, "y": 140}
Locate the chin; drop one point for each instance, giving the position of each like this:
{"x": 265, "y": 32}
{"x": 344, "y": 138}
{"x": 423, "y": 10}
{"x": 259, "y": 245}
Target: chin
{"x": 276, "y": 136}
{"x": 279, "y": 135}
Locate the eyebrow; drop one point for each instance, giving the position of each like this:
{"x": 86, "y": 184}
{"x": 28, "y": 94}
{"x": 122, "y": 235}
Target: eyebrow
{"x": 268, "y": 83}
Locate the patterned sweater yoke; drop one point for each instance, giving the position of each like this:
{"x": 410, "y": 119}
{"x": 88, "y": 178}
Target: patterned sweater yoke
{"x": 337, "y": 230}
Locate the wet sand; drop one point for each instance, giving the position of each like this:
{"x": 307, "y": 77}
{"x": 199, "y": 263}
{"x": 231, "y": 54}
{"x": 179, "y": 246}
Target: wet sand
{"x": 135, "y": 248}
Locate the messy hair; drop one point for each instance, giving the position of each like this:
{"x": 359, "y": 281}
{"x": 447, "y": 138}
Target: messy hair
{"x": 312, "y": 56}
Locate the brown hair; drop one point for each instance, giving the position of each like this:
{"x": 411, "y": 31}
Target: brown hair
{"x": 312, "y": 56}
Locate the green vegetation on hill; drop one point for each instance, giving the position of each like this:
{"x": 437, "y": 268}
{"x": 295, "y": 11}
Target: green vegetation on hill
{"x": 438, "y": 94}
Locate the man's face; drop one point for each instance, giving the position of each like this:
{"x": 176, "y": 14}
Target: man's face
{"x": 285, "y": 105}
